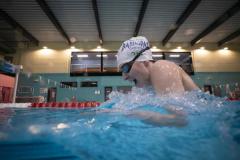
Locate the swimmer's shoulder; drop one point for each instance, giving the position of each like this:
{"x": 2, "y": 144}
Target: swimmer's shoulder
{"x": 164, "y": 63}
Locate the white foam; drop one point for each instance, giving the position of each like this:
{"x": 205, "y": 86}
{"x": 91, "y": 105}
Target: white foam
{"x": 191, "y": 101}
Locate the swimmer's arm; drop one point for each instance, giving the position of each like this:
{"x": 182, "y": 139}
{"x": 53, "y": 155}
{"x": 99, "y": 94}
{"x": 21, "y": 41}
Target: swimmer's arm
{"x": 188, "y": 83}
{"x": 101, "y": 111}
{"x": 176, "y": 118}
{"x": 157, "y": 119}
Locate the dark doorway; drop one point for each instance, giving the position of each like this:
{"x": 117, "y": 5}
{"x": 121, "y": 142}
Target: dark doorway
{"x": 52, "y": 94}
{"x": 107, "y": 91}
{"x": 6, "y": 94}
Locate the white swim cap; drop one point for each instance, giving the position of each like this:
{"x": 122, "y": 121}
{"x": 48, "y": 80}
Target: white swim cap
{"x": 130, "y": 48}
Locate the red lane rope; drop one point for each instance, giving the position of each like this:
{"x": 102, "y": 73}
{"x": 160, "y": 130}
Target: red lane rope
{"x": 66, "y": 105}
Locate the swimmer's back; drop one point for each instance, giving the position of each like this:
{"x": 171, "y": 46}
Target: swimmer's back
{"x": 167, "y": 77}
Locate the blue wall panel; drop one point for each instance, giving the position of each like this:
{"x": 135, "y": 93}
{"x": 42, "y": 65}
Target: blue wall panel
{"x": 65, "y": 94}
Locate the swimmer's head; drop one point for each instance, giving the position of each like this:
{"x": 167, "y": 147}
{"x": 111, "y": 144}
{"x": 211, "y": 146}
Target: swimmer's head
{"x": 131, "y": 48}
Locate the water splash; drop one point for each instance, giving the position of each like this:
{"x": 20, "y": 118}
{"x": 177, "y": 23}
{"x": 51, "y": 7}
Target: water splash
{"x": 194, "y": 101}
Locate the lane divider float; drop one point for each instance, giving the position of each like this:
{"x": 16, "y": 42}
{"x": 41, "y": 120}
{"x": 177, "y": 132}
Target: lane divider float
{"x": 89, "y": 104}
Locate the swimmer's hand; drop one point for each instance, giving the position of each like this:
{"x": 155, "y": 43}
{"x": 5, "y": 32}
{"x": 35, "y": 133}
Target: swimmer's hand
{"x": 177, "y": 110}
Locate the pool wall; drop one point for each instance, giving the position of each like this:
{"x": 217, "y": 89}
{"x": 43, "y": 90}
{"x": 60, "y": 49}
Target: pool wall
{"x": 42, "y": 81}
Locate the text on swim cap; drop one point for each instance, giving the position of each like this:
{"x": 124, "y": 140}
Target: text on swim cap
{"x": 131, "y": 44}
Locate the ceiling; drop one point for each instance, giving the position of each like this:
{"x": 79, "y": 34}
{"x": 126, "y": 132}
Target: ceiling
{"x": 32, "y": 21}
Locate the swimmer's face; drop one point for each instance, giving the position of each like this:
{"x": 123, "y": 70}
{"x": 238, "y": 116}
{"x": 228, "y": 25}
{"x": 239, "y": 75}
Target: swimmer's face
{"x": 127, "y": 66}
{"x": 138, "y": 74}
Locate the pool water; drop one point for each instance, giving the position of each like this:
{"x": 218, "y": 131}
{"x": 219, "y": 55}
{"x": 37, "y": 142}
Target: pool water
{"x": 212, "y": 131}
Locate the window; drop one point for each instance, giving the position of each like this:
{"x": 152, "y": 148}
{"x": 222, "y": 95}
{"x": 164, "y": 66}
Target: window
{"x": 183, "y": 59}
{"x": 25, "y": 89}
{"x": 89, "y": 84}
{"x": 94, "y": 63}
{"x": 87, "y": 62}
{"x": 110, "y": 62}
{"x": 105, "y": 63}
{"x": 68, "y": 84}
{"x": 157, "y": 56}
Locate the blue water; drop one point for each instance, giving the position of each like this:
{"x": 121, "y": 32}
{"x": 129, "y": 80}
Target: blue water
{"x": 212, "y": 130}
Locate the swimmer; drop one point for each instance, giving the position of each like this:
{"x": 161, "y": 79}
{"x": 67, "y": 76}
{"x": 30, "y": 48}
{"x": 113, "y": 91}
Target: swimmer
{"x": 135, "y": 61}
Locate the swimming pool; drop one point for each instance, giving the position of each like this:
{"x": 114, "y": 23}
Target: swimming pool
{"x": 212, "y": 131}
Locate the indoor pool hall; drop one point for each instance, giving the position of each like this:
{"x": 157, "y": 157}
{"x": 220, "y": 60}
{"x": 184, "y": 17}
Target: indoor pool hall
{"x": 119, "y": 79}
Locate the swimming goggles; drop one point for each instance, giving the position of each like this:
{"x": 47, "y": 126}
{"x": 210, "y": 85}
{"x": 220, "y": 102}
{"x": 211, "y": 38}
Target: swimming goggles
{"x": 128, "y": 66}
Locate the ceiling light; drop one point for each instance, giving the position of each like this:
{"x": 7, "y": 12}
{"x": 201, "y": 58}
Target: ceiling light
{"x": 73, "y": 39}
{"x": 174, "y": 55}
{"x": 202, "y": 48}
{"x": 99, "y": 49}
{"x": 157, "y": 55}
{"x": 198, "y": 41}
{"x": 45, "y": 47}
{"x": 72, "y": 47}
{"x": 179, "y": 47}
{"x": 155, "y": 49}
{"x": 225, "y": 48}
{"x": 99, "y": 55}
{"x": 82, "y": 55}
